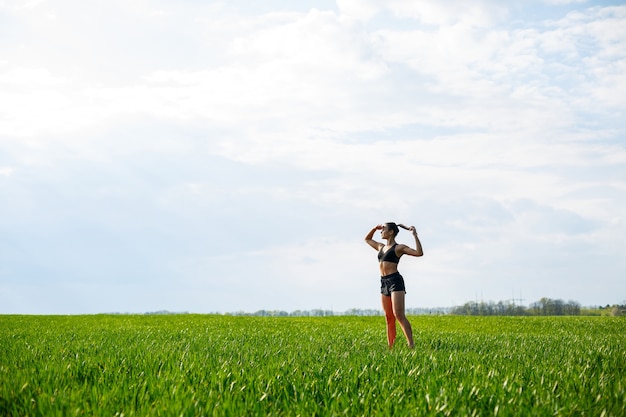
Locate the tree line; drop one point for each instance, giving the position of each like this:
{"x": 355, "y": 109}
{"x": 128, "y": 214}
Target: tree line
{"x": 543, "y": 307}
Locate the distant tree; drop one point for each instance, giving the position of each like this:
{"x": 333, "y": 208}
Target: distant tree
{"x": 618, "y": 310}
{"x": 572, "y": 308}
{"x": 472, "y": 308}
{"x": 544, "y": 307}
{"x": 549, "y": 307}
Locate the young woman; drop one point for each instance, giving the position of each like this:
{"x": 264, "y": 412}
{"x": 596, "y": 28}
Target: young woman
{"x": 391, "y": 282}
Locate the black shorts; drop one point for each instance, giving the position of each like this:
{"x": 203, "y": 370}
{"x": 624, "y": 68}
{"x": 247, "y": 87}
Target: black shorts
{"x": 391, "y": 283}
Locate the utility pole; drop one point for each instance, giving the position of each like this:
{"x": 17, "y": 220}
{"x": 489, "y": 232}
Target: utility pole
{"x": 520, "y": 299}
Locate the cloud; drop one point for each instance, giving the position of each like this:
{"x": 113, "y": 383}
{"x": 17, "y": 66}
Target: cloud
{"x": 481, "y": 13}
{"x": 560, "y": 2}
{"x": 6, "y": 171}
{"x": 312, "y": 67}
{"x": 178, "y": 147}
{"x": 16, "y": 77}
{"x": 21, "y": 4}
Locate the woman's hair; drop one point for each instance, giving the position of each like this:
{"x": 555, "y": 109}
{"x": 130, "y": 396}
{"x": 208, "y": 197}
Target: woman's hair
{"x": 394, "y": 227}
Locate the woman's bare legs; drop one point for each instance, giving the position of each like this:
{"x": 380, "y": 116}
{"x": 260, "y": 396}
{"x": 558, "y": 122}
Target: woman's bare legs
{"x": 397, "y": 300}
{"x": 394, "y": 310}
{"x": 391, "y": 320}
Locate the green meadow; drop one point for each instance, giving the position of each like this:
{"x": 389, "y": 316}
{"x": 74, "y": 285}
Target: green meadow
{"x": 212, "y": 365}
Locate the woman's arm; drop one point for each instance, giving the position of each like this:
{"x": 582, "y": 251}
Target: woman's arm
{"x": 369, "y": 237}
{"x": 407, "y": 250}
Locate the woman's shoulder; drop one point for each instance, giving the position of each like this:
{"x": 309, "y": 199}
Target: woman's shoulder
{"x": 400, "y": 247}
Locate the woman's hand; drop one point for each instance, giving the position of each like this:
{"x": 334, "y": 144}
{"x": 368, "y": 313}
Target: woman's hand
{"x": 369, "y": 239}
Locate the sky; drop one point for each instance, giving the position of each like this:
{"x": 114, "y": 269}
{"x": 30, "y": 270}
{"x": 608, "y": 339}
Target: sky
{"x": 214, "y": 157}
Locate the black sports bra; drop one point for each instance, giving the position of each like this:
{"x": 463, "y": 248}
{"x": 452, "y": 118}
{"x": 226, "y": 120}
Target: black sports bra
{"x": 389, "y": 256}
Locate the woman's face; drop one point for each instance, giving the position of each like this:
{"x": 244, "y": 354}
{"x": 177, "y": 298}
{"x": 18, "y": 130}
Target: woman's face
{"x": 385, "y": 232}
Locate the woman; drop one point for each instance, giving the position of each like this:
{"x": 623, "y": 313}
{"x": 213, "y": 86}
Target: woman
{"x": 391, "y": 282}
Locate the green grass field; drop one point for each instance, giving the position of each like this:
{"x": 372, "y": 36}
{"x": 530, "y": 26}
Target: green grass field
{"x": 194, "y": 365}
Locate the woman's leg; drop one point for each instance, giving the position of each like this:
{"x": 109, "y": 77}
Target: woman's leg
{"x": 390, "y": 318}
{"x": 397, "y": 302}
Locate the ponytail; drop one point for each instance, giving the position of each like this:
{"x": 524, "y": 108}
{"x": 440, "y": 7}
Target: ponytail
{"x": 394, "y": 227}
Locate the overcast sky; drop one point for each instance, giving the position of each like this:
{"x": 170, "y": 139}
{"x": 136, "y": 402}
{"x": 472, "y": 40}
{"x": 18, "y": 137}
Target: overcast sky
{"x": 231, "y": 156}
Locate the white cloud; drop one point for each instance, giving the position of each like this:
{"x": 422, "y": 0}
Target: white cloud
{"x": 6, "y": 171}
{"x": 20, "y": 77}
{"x": 480, "y": 14}
{"x": 560, "y": 2}
{"x": 434, "y": 13}
{"x": 21, "y": 4}
{"x": 361, "y": 10}
{"x": 173, "y": 127}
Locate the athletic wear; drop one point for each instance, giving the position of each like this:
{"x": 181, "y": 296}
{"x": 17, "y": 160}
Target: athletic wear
{"x": 391, "y": 283}
{"x": 389, "y": 256}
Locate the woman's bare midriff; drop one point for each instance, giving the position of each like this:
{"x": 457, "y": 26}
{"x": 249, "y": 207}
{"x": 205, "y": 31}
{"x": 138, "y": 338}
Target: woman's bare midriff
{"x": 387, "y": 268}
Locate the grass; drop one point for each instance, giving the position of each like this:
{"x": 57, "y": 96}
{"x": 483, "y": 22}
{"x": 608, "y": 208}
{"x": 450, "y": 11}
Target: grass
{"x": 194, "y": 365}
